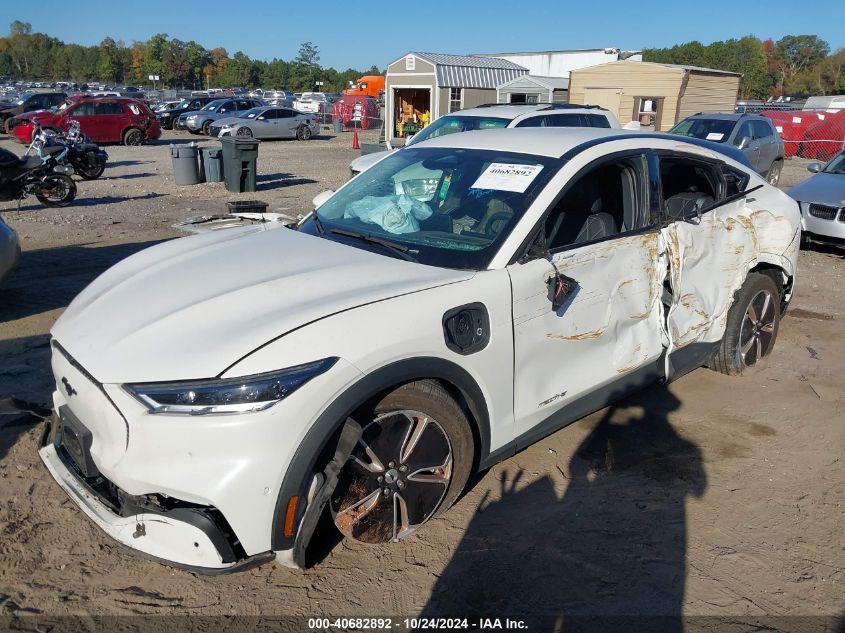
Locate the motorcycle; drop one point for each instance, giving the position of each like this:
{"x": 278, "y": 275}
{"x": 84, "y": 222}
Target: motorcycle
{"x": 44, "y": 176}
{"x": 86, "y": 158}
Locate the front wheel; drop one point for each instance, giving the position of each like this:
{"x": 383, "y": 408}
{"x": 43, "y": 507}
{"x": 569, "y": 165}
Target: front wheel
{"x": 56, "y": 190}
{"x": 412, "y": 461}
{"x": 773, "y": 175}
{"x": 244, "y": 131}
{"x": 206, "y": 128}
{"x": 752, "y": 326}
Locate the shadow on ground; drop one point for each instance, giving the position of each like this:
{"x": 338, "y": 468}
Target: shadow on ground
{"x": 280, "y": 179}
{"x": 612, "y": 546}
{"x": 50, "y": 278}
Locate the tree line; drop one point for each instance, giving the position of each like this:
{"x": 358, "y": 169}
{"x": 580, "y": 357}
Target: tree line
{"x": 179, "y": 64}
{"x": 794, "y": 65}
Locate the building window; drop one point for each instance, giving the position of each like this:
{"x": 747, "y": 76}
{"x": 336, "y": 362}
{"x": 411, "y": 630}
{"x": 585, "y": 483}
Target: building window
{"x": 522, "y": 97}
{"x": 455, "y": 95}
{"x": 648, "y": 111}
{"x": 410, "y": 62}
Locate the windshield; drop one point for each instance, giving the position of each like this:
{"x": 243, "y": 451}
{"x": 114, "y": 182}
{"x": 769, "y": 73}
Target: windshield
{"x": 717, "y": 130}
{"x": 448, "y": 207}
{"x": 212, "y": 106}
{"x": 837, "y": 165}
{"x": 452, "y": 124}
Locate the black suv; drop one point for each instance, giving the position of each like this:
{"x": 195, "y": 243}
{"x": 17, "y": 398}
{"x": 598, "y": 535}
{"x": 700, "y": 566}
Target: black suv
{"x": 167, "y": 117}
{"x": 38, "y": 101}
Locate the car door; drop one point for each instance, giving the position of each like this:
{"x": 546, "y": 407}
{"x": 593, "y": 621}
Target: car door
{"x": 711, "y": 240}
{"x": 765, "y": 137}
{"x": 266, "y": 125}
{"x": 110, "y": 119}
{"x": 744, "y": 140}
{"x": 287, "y": 123}
{"x": 83, "y": 113}
{"x": 604, "y": 335}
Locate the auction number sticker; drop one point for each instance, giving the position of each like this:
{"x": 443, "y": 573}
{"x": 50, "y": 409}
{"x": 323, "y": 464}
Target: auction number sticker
{"x": 507, "y": 177}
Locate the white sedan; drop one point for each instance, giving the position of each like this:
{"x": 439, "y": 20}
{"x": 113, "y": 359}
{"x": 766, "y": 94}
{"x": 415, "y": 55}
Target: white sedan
{"x": 269, "y": 123}
{"x": 453, "y": 304}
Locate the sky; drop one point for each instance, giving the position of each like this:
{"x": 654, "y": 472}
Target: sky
{"x": 360, "y": 33}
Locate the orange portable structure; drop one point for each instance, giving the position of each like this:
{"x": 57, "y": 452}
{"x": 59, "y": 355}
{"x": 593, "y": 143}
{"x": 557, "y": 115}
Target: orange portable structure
{"x": 368, "y": 85}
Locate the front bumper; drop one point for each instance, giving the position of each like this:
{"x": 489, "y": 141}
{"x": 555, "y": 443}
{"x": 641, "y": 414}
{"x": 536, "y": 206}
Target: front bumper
{"x": 185, "y": 537}
{"x": 823, "y": 230}
{"x": 195, "y": 125}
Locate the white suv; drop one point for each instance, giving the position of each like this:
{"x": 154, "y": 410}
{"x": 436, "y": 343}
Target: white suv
{"x": 494, "y": 116}
{"x": 460, "y": 300}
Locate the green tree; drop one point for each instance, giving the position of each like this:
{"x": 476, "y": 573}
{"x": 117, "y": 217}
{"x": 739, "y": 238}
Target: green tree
{"x": 800, "y": 52}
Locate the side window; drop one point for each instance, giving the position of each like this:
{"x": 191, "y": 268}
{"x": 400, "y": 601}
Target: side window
{"x": 534, "y": 121}
{"x": 269, "y": 115}
{"x": 608, "y": 200}
{"x": 227, "y": 107}
{"x": 597, "y": 120}
{"x": 565, "y": 120}
{"x": 689, "y": 185}
{"x": 83, "y": 109}
{"x": 761, "y": 130}
{"x": 744, "y": 132}
{"x": 286, "y": 114}
{"x": 107, "y": 108}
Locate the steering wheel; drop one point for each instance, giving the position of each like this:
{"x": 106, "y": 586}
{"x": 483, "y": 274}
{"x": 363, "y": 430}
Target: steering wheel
{"x": 495, "y": 223}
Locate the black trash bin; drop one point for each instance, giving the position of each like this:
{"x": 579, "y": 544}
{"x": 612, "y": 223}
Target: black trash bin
{"x": 240, "y": 158}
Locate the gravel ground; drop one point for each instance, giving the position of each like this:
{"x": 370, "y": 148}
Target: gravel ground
{"x": 713, "y": 496}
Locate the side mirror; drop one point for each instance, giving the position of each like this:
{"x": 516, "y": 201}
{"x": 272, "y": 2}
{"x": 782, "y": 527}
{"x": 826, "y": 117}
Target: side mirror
{"x": 320, "y": 199}
{"x": 561, "y": 289}
{"x": 743, "y": 142}
{"x": 408, "y": 139}
{"x": 814, "y": 167}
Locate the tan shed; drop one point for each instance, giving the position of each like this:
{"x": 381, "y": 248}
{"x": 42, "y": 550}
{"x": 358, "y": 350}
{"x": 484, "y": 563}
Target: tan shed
{"x": 658, "y": 95}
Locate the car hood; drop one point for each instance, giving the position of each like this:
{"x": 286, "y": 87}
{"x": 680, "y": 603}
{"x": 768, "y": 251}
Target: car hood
{"x": 191, "y": 307}
{"x": 363, "y": 163}
{"x": 822, "y": 188}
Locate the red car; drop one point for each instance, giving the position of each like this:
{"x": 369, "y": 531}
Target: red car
{"x": 102, "y": 119}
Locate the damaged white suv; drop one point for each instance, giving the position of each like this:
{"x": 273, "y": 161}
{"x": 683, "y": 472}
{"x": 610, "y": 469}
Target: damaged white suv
{"x": 451, "y": 305}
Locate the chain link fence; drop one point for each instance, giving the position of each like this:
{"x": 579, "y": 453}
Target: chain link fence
{"x": 811, "y": 134}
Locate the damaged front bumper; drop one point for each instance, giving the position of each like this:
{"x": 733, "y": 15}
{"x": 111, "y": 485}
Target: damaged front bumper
{"x": 179, "y": 534}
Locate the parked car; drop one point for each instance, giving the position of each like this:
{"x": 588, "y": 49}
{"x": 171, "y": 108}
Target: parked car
{"x": 822, "y": 201}
{"x": 753, "y": 134}
{"x": 279, "y": 98}
{"x": 269, "y": 122}
{"x": 313, "y": 102}
{"x": 488, "y": 117}
{"x": 201, "y": 120}
{"x": 10, "y": 249}
{"x": 32, "y": 103}
{"x": 103, "y": 119}
{"x": 464, "y": 298}
{"x": 167, "y": 116}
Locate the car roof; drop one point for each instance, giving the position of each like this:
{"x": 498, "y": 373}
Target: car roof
{"x": 725, "y": 116}
{"x": 547, "y": 141}
{"x": 555, "y": 142}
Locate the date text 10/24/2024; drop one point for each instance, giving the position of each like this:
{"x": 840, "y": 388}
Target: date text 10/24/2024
{"x": 424, "y": 624}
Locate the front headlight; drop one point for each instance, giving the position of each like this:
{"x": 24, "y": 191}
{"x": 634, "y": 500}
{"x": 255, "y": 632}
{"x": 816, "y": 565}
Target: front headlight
{"x": 226, "y": 395}
{"x": 193, "y": 117}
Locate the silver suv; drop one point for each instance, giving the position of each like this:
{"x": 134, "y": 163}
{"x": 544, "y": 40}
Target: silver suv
{"x": 754, "y": 135}
{"x": 499, "y": 115}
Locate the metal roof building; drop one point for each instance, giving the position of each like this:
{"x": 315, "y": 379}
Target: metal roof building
{"x": 420, "y": 87}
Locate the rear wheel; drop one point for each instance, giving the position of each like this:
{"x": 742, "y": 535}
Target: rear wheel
{"x": 303, "y": 133}
{"x": 773, "y": 175}
{"x": 56, "y": 190}
{"x": 411, "y": 463}
{"x": 752, "y": 326}
{"x": 133, "y": 136}
{"x": 91, "y": 173}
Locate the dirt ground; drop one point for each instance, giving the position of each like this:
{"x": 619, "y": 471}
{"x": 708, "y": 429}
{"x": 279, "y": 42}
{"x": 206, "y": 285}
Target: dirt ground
{"x": 713, "y": 496}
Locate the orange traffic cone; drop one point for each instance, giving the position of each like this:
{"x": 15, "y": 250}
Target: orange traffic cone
{"x": 355, "y": 144}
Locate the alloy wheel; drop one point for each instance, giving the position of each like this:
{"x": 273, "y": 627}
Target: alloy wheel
{"x": 757, "y": 329}
{"x": 395, "y": 479}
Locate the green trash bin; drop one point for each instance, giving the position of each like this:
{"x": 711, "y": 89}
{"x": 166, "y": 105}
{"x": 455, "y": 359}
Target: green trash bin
{"x": 240, "y": 158}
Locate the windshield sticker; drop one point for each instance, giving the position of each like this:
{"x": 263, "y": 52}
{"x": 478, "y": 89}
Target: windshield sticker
{"x": 507, "y": 177}
{"x": 715, "y": 136}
